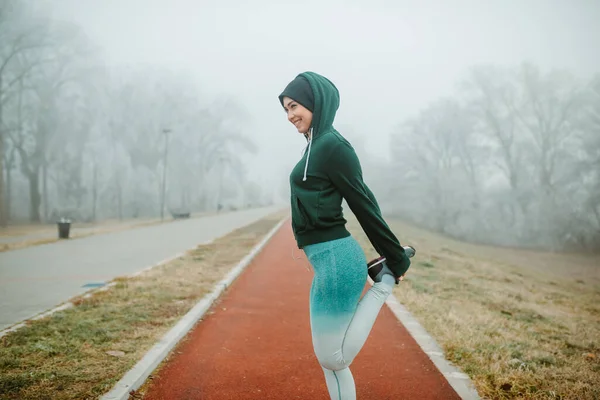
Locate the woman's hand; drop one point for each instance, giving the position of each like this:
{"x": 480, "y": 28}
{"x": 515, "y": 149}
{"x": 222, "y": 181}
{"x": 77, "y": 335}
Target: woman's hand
{"x": 410, "y": 252}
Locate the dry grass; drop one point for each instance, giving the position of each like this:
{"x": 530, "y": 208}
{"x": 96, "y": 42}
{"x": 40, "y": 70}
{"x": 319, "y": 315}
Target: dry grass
{"x": 65, "y": 355}
{"x": 522, "y": 324}
{"x": 77, "y": 235}
{"x": 50, "y": 228}
{"x": 25, "y": 243}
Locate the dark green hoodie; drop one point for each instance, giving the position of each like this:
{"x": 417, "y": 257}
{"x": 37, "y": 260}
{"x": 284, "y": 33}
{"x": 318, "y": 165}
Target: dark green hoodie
{"x": 328, "y": 171}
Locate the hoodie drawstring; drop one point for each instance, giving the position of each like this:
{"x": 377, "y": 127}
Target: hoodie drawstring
{"x": 308, "y": 155}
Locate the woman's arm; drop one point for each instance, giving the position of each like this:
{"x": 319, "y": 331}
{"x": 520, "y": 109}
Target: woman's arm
{"x": 345, "y": 173}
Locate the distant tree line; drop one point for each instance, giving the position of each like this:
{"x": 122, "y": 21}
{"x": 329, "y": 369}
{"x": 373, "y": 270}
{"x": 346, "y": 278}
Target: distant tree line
{"x": 512, "y": 159}
{"x": 86, "y": 141}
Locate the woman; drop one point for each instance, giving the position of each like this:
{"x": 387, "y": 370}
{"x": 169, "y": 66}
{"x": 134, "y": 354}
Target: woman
{"x": 328, "y": 171}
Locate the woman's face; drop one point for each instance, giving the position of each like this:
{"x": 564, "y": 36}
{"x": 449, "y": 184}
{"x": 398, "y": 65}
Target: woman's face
{"x": 298, "y": 115}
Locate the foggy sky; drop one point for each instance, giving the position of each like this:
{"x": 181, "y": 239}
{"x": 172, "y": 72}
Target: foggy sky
{"x": 387, "y": 58}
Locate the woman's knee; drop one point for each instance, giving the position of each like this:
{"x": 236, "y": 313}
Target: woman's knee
{"x": 333, "y": 361}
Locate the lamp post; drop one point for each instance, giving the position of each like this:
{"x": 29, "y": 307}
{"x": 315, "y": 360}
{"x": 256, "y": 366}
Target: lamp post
{"x": 220, "y": 195}
{"x": 164, "y": 177}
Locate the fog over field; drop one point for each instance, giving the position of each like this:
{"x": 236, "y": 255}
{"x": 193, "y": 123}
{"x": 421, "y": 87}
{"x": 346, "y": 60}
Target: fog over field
{"x": 480, "y": 120}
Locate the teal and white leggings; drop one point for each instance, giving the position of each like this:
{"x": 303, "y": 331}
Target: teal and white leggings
{"x": 340, "y": 320}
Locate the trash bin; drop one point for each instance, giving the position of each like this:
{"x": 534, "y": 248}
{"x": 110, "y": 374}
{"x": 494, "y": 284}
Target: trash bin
{"x": 64, "y": 227}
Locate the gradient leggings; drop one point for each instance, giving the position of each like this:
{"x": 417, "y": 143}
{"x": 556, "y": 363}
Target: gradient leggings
{"x": 340, "y": 320}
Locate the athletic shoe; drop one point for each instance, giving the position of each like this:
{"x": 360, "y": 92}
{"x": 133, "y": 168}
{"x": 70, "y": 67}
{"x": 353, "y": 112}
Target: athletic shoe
{"x": 377, "y": 267}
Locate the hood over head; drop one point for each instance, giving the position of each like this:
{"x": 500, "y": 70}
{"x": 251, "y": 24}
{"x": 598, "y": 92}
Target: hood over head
{"x": 323, "y": 99}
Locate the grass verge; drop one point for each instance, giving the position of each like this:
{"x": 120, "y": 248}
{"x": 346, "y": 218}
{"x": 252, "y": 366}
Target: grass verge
{"x": 25, "y": 243}
{"x": 74, "y": 234}
{"x": 80, "y": 353}
{"x": 521, "y": 324}
{"x": 47, "y": 233}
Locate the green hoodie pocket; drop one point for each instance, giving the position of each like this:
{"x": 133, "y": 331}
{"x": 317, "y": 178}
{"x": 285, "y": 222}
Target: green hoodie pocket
{"x": 298, "y": 217}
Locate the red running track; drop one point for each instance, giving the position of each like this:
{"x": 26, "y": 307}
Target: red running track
{"x": 256, "y": 344}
